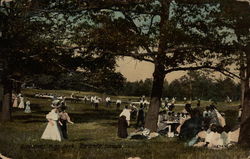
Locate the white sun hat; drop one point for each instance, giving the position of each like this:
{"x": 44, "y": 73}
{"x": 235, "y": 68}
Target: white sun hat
{"x": 55, "y": 104}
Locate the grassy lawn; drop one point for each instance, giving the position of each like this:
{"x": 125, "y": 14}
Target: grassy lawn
{"x": 93, "y": 136}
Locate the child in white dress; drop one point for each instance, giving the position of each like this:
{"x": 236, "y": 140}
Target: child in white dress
{"x": 27, "y": 108}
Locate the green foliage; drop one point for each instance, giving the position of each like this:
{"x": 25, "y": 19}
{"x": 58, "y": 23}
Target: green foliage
{"x": 138, "y": 88}
{"x": 197, "y": 85}
{"x": 37, "y": 45}
{"x": 50, "y": 34}
{"x": 194, "y": 85}
{"x": 83, "y": 81}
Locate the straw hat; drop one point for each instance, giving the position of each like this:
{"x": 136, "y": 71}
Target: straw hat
{"x": 55, "y": 104}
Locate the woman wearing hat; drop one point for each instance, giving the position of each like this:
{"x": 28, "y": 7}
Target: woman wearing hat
{"x": 52, "y": 131}
{"x": 21, "y": 104}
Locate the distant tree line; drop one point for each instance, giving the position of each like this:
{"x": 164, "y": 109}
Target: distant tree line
{"x": 98, "y": 82}
{"x": 194, "y": 85}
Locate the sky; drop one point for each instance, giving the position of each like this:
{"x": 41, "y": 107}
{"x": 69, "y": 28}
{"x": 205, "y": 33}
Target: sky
{"x": 135, "y": 70}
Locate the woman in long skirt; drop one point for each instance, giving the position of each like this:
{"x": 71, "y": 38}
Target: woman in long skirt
{"x": 122, "y": 127}
{"x": 15, "y": 102}
{"x": 52, "y": 131}
{"x": 21, "y": 104}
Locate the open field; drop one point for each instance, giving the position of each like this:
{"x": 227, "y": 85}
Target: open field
{"x": 93, "y": 136}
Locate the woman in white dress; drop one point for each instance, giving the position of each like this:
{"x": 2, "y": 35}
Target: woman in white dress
{"x": 21, "y": 104}
{"x": 15, "y": 102}
{"x": 52, "y": 131}
{"x": 27, "y": 108}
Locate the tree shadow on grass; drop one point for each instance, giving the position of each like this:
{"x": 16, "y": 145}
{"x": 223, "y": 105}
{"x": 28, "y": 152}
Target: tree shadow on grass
{"x": 48, "y": 146}
{"x": 93, "y": 115}
{"x": 80, "y": 139}
{"x": 35, "y": 121}
{"x": 25, "y": 116}
{"x": 81, "y": 117}
{"x": 231, "y": 118}
{"x": 29, "y": 118}
{"x": 35, "y": 107}
{"x": 108, "y": 124}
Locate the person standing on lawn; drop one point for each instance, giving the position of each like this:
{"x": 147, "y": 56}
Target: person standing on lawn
{"x": 52, "y": 130}
{"x": 64, "y": 119}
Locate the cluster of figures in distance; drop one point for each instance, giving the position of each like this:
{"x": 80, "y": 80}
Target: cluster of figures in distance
{"x": 58, "y": 118}
{"x": 50, "y": 96}
{"x": 18, "y": 101}
{"x": 94, "y": 100}
{"x": 108, "y": 102}
{"x": 196, "y": 128}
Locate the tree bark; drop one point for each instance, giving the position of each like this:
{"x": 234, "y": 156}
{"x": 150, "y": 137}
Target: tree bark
{"x": 18, "y": 87}
{"x": 244, "y": 138}
{"x": 7, "y": 100}
{"x": 242, "y": 76}
{"x": 155, "y": 101}
{"x": 242, "y": 83}
{"x": 159, "y": 72}
{"x": 190, "y": 89}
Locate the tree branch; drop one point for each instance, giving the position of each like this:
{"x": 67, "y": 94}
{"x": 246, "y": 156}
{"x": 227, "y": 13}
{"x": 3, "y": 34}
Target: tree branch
{"x": 136, "y": 29}
{"x": 151, "y": 23}
{"x": 219, "y": 69}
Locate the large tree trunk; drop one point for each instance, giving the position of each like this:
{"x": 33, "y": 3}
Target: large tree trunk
{"x": 159, "y": 72}
{"x": 7, "y": 100}
{"x": 18, "y": 87}
{"x": 190, "y": 89}
{"x": 242, "y": 83}
{"x": 155, "y": 102}
{"x": 242, "y": 76}
{"x": 244, "y": 138}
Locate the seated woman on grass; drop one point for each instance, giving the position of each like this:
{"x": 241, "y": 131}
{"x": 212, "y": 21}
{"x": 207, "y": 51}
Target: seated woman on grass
{"x": 215, "y": 137}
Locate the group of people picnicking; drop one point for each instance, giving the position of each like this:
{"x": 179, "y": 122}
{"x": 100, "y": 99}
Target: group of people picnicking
{"x": 208, "y": 129}
{"x": 196, "y": 128}
{"x": 18, "y": 101}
